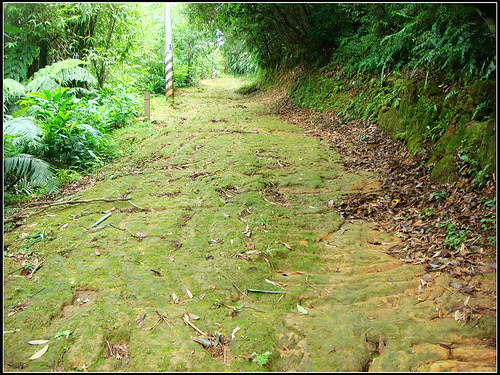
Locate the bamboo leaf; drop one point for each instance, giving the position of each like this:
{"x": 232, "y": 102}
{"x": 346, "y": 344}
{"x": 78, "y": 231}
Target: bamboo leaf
{"x": 38, "y": 342}
{"x": 39, "y": 353}
{"x": 301, "y": 309}
{"x": 101, "y": 219}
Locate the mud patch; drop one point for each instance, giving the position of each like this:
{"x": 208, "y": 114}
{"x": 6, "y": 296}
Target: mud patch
{"x": 80, "y": 298}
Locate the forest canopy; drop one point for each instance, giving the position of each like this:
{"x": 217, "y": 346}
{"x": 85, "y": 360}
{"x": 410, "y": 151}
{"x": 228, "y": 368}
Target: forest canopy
{"x": 454, "y": 39}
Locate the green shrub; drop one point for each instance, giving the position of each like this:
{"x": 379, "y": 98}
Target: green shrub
{"x": 66, "y": 141}
{"x": 119, "y": 106}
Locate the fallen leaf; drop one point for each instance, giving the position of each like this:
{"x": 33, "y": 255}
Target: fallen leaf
{"x": 303, "y": 242}
{"x": 201, "y": 296}
{"x": 140, "y": 319}
{"x": 491, "y": 355}
{"x": 64, "y": 226}
{"x": 156, "y": 272}
{"x": 97, "y": 252}
{"x": 175, "y": 298}
{"x": 233, "y": 335}
{"x": 287, "y": 245}
{"x": 39, "y": 353}
{"x": 202, "y": 340}
{"x": 190, "y": 295}
{"x": 193, "y": 316}
{"x": 427, "y": 277}
{"x": 141, "y": 234}
{"x": 301, "y": 309}
{"x": 38, "y": 342}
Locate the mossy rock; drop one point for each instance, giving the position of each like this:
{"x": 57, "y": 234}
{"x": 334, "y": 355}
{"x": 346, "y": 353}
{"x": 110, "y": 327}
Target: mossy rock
{"x": 481, "y": 90}
{"x": 389, "y": 121}
{"x": 444, "y": 170}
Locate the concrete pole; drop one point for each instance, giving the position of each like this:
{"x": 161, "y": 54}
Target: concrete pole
{"x": 147, "y": 107}
{"x": 169, "y": 70}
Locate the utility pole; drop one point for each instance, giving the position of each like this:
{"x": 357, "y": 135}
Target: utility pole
{"x": 169, "y": 69}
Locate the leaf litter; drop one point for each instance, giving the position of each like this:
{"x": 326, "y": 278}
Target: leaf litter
{"x": 441, "y": 226}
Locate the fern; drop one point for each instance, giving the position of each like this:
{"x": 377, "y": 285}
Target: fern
{"x": 12, "y": 89}
{"x": 20, "y": 134}
{"x": 22, "y": 131}
{"x": 61, "y": 74}
{"x": 36, "y": 172}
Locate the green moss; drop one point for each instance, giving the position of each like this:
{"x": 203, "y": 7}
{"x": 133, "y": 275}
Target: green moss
{"x": 220, "y": 216}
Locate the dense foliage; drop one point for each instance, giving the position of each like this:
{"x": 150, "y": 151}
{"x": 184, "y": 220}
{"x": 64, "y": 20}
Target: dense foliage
{"x": 73, "y": 72}
{"x": 451, "y": 38}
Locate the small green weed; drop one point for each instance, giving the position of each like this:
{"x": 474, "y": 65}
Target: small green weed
{"x": 261, "y": 359}
{"x": 34, "y": 239}
{"x": 439, "y": 197}
{"x": 455, "y": 236}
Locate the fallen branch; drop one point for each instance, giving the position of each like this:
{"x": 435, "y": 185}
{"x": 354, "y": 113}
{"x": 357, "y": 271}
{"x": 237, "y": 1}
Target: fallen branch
{"x": 42, "y": 205}
{"x": 86, "y": 201}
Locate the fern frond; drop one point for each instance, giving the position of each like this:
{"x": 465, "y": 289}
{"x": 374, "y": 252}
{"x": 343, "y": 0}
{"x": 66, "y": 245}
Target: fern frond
{"x": 36, "y": 171}
{"x": 12, "y": 89}
{"x": 77, "y": 74}
{"x": 23, "y": 130}
{"x": 41, "y": 83}
{"x": 60, "y": 74}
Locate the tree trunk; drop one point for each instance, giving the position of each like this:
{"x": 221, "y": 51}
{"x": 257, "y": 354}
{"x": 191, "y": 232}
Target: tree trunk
{"x": 111, "y": 27}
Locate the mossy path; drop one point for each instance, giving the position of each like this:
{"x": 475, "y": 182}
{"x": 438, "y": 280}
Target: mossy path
{"x": 225, "y": 197}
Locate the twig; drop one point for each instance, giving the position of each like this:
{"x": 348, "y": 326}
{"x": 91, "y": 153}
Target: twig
{"x": 38, "y": 266}
{"x": 243, "y": 307}
{"x": 459, "y": 296}
{"x": 279, "y": 299}
{"x": 164, "y": 319}
{"x": 185, "y": 318}
{"x": 308, "y": 283}
{"x": 136, "y": 206}
{"x": 228, "y": 279}
{"x": 110, "y": 350}
{"x": 101, "y": 219}
{"x": 34, "y": 294}
{"x": 126, "y": 229}
{"x": 154, "y": 325}
{"x": 266, "y": 291}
